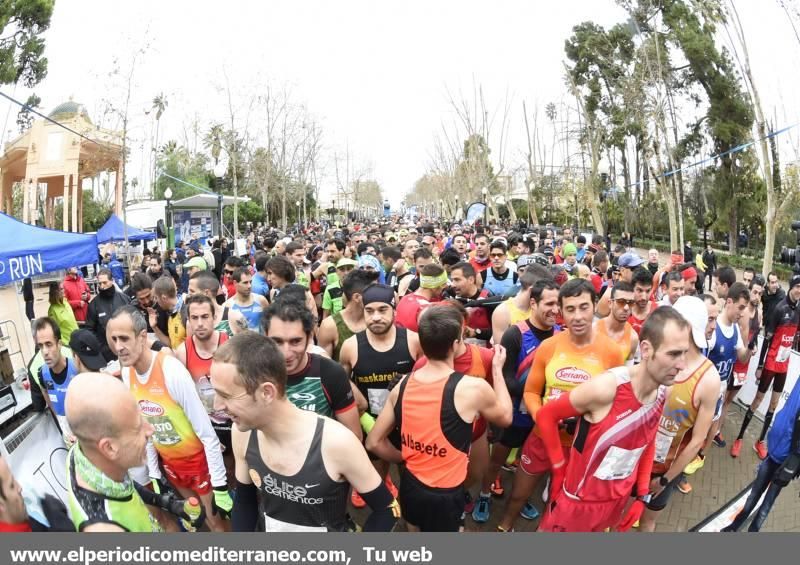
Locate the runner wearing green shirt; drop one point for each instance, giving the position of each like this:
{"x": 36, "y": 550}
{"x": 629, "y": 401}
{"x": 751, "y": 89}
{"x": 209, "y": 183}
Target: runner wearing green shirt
{"x": 61, "y": 312}
{"x": 333, "y": 299}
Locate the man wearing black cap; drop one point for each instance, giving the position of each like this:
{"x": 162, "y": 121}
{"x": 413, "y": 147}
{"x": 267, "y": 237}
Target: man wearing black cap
{"x": 87, "y": 352}
{"x": 376, "y": 357}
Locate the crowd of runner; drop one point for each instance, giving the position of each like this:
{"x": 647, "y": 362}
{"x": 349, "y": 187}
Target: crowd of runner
{"x": 405, "y": 367}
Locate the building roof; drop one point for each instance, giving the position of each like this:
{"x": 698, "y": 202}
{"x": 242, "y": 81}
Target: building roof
{"x": 69, "y": 109}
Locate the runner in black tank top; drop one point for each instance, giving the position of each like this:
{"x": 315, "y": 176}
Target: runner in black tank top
{"x": 375, "y": 370}
{"x": 307, "y": 501}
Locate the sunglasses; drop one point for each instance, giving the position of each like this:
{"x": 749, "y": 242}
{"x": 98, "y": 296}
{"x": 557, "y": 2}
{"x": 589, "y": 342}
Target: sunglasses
{"x": 621, "y": 302}
{"x": 497, "y": 254}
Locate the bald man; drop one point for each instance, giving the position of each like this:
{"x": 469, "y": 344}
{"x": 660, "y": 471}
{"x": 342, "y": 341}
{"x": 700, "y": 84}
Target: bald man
{"x": 111, "y": 438}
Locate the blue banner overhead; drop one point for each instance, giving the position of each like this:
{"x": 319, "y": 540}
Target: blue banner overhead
{"x": 29, "y": 250}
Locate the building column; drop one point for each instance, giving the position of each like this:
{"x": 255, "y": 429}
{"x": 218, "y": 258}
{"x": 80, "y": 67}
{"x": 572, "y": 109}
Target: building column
{"x": 80, "y": 204}
{"x": 118, "y": 190}
{"x": 65, "y": 207}
{"x": 75, "y": 204}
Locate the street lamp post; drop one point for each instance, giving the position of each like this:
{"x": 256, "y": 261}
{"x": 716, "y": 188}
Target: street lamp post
{"x": 484, "y": 194}
{"x": 458, "y": 209}
{"x": 170, "y": 234}
{"x": 219, "y": 172}
{"x": 299, "y": 225}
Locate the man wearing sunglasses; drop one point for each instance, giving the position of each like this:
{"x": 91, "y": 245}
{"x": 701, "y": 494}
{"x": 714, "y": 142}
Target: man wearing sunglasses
{"x": 616, "y": 325}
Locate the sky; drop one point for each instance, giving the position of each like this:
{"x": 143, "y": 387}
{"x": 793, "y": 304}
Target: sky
{"x": 375, "y": 75}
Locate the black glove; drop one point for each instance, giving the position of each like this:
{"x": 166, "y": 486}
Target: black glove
{"x": 570, "y": 424}
{"x": 788, "y": 470}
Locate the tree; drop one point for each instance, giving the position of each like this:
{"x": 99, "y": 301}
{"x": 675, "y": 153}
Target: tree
{"x": 159, "y": 106}
{"x": 22, "y": 25}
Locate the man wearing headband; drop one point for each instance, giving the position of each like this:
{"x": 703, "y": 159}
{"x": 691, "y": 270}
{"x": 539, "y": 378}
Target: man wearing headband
{"x": 689, "y": 274}
{"x": 432, "y": 283}
{"x": 375, "y": 357}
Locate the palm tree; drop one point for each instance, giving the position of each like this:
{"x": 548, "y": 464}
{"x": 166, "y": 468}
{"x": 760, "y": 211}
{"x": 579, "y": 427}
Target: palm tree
{"x": 213, "y": 141}
{"x": 159, "y": 105}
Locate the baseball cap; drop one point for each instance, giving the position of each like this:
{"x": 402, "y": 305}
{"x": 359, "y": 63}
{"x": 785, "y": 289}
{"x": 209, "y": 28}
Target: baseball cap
{"x": 630, "y": 260}
{"x": 197, "y": 263}
{"x": 525, "y": 260}
{"x": 694, "y": 311}
{"x": 87, "y": 347}
{"x": 345, "y": 262}
{"x": 569, "y": 249}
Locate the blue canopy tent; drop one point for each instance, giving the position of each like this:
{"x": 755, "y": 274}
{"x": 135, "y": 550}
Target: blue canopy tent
{"x": 114, "y": 230}
{"x": 28, "y": 250}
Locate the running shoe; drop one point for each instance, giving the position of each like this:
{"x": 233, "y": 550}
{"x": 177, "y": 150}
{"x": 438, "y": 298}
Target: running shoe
{"x": 529, "y": 511}
{"x": 511, "y": 467}
{"x": 719, "y": 441}
{"x": 685, "y": 486}
{"x": 356, "y": 500}
{"x": 497, "y": 487}
{"x": 761, "y": 449}
{"x": 736, "y": 448}
{"x": 482, "y": 510}
{"x": 390, "y": 485}
{"x": 469, "y": 503}
{"x": 696, "y": 464}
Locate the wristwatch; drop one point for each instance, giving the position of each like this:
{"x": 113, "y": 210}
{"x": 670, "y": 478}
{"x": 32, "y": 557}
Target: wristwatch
{"x": 646, "y": 498}
{"x": 663, "y": 480}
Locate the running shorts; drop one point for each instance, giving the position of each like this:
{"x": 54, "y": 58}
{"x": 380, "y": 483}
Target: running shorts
{"x": 737, "y": 379}
{"x": 660, "y": 502}
{"x": 431, "y": 509}
{"x": 533, "y": 459}
{"x": 566, "y": 514}
{"x": 514, "y": 436}
{"x": 190, "y": 474}
{"x": 777, "y": 380}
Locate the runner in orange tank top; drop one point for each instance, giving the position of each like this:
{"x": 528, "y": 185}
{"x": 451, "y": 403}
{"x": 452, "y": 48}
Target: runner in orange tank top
{"x": 435, "y": 408}
{"x": 616, "y": 325}
{"x": 560, "y": 364}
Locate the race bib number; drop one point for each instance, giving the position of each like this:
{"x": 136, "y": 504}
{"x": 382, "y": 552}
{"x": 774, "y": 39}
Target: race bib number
{"x": 783, "y": 354}
{"x": 618, "y": 463}
{"x": 739, "y": 377}
{"x": 663, "y": 443}
{"x": 377, "y": 399}
{"x": 275, "y": 525}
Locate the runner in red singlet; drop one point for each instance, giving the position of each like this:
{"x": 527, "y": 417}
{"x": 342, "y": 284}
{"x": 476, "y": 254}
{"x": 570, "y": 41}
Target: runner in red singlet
{"x": 614, "y": 444}
{"x": 643, "y": 305}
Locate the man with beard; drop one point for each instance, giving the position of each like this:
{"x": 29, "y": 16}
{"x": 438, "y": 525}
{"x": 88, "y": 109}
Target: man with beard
{"x": 643, "y": 305}
{"x": 618, "y": 415}
{"x": 376, "y": 357}
{"x": 293, "y": 467}
{"x": 433, "y": 409}
{"x": 107, "y": 301}
{"x": 773, "y": 294}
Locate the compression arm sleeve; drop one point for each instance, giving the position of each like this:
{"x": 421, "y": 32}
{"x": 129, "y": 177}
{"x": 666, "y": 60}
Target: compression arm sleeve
{"x": 547, "y": 420}
{"x": 512, "y": 341}
{"x": 764, "y": 348}
{"x": 181, "y": 387}
{"x": 645, "y": 468}
{"x": 385, "y": 510}
{"x": 245, "y": 508}
{"x": 147, "y": 495}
